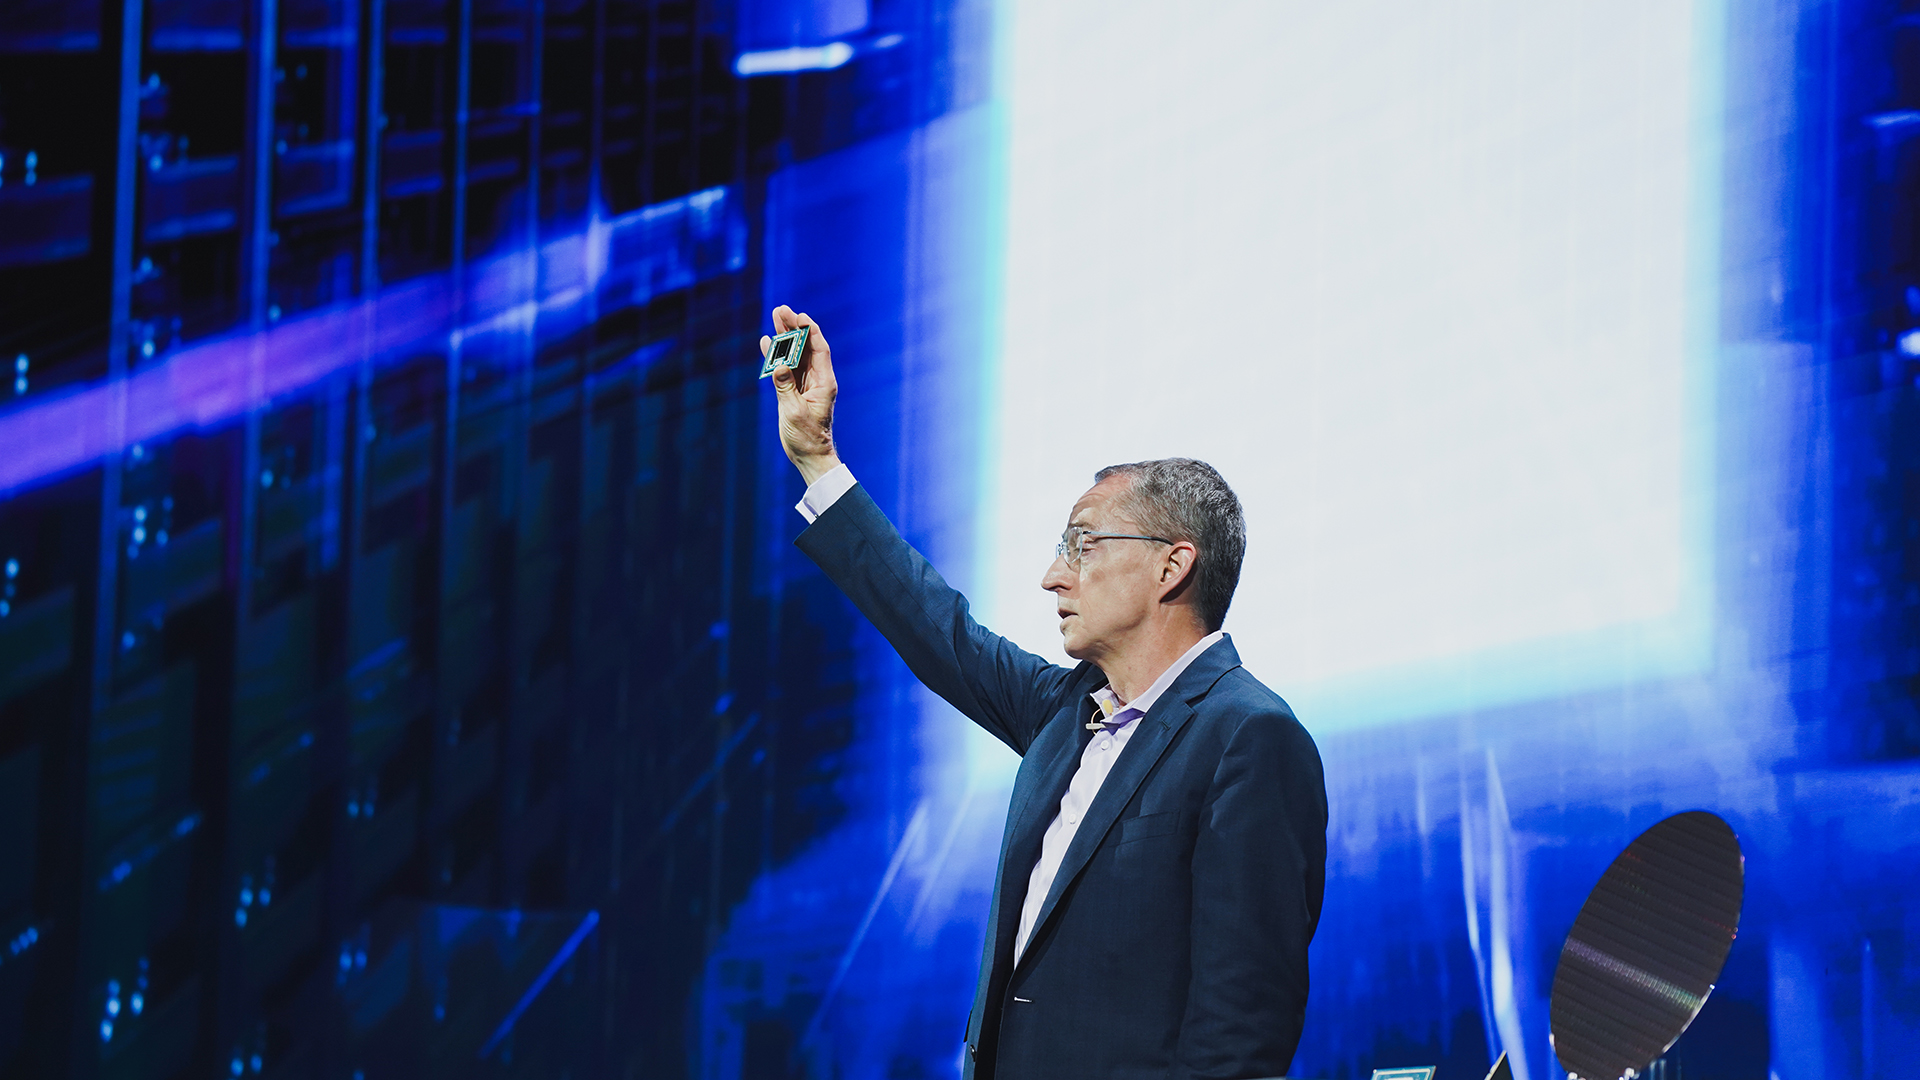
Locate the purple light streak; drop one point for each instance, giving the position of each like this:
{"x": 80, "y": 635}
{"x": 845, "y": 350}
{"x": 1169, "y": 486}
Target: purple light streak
{"x": 631, "y": 259}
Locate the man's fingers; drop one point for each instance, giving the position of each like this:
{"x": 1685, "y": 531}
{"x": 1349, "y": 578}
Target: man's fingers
{"x": 816, "y": 340}
{"x": 816, "y": 366}
{"x": 819, "y": 354}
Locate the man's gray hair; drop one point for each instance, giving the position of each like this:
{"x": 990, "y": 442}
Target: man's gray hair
{"x": 1184, "y": 499}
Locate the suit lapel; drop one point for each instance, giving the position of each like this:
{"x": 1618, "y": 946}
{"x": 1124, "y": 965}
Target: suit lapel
{"x": 1053, "y": 756}
{"x": 1042, "y": 798}
{"x": 1035, "y": 811}
{"x": 1143, "y": 751}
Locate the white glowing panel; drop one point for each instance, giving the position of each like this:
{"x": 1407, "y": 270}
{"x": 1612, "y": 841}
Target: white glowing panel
{"x": 1414, "y": 276}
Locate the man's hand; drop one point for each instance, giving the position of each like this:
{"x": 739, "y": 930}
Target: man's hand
{"x": 806, "y": 399}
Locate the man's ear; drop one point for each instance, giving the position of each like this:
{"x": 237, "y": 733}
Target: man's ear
{"x": 1176, "y": 570}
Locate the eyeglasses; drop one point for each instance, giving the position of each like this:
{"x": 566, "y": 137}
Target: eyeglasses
{"x": 1073, "y": 543}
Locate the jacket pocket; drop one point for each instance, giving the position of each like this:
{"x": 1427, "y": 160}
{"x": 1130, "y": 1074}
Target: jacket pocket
{"x": 1139, "y": 828}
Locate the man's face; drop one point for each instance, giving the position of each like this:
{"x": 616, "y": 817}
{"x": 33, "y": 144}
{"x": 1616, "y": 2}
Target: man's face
{"x": 1116, "y": 587}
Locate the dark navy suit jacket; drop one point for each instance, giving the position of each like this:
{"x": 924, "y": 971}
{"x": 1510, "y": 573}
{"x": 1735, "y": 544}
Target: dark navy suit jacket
{"x": 1174, "y": 941}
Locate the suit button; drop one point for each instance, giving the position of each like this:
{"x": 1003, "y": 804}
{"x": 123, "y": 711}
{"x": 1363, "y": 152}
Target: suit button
{"x": 970, "y": 1052}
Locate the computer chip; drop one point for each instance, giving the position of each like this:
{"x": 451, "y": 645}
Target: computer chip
{"x": 788, "y": 349}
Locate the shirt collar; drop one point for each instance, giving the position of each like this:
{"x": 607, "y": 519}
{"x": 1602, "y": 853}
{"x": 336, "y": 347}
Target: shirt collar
{"x": 1109, "y": 702}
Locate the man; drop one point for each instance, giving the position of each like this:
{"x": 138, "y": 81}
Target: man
{"x": 1165, "y": 850}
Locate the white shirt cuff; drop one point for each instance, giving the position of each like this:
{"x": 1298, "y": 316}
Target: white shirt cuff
{"x": 824, "y": 492}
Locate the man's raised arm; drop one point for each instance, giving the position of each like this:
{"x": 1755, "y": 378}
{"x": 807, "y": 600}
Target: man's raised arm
{"x": 997, "y": 684}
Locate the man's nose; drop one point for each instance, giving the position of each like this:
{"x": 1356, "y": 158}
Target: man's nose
{"x": 1059, "y": 577}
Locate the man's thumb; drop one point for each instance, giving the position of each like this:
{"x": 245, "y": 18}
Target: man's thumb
{"x": 782, "y": 377}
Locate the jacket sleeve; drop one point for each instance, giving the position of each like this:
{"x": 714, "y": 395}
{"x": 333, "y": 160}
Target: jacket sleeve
{"x": 1259, "y": 872}
{"x": 1000, "y": 686}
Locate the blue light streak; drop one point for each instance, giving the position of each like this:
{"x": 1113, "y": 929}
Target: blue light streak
{"x": 787, "y": 61}
{"x": 540, "y": 982}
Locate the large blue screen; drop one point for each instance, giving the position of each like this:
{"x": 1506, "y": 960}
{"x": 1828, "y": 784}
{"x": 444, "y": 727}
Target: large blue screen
{"x": 1517, "y": 330}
